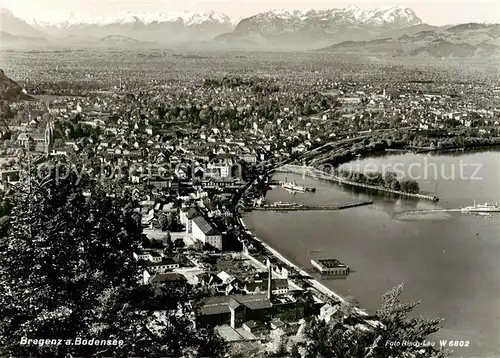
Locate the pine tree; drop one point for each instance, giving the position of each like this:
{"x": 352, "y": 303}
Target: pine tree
{"x": 399, "y": 326}
{"x": 339, "y": 340}
{"x": 67, "y": 271}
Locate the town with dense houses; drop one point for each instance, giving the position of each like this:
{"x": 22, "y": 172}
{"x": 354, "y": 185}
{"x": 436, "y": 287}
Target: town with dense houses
{"x": 196, "y": 153}
{"x": 228, "y": 180}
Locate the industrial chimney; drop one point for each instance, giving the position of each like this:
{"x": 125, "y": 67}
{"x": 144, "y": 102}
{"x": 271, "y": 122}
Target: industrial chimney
{"x": 269, "y": 280}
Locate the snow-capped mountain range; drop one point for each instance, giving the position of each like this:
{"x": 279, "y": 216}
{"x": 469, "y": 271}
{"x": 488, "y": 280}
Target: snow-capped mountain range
{"x": 328, "y": 22}
{"x": 61, "y": 20}
{"x": 162, "y": 28}
{"x": 317, "y": 28}
{"x": 184, "y": 26}
{"x": 335, "y": 29}
{"x": 398, "y": 16}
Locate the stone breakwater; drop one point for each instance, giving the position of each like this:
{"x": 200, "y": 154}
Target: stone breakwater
{"x": 315, "y": 173}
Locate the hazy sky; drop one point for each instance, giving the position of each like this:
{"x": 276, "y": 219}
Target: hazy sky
{"x": 436, "y": 12}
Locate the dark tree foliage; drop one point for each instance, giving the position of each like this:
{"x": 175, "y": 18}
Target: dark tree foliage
{"x": 389, "y": 181}
{"x": 67, "y": 271}
{"x": 399, "y": 325}
{"x": 168, "y": 245}
{"x": 337, "y": 339}
{"x": 164, "y": 222}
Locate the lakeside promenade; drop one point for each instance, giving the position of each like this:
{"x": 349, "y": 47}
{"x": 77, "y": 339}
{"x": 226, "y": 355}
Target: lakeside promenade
{"x": 315, "y": 284}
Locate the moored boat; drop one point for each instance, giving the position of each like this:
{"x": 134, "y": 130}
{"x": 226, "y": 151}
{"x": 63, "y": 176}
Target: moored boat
{"x": 481, "y": 208}
{"x": 293, "y": 186}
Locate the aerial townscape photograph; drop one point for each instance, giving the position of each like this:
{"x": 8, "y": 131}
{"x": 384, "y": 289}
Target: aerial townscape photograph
{"x": 249, "y": 178}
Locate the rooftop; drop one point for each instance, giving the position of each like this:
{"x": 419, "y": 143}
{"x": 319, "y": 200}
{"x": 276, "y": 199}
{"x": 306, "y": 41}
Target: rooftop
{"x": 205, "y": 226}
{"x": 167, "y": 277}
{"x": 220, "y": 304}
{"x": 330, "y": 263}
{"x": 276, "y": 284}
{"x": 229, "y": 334}
{"x": 164, "y": 261}
{"x": 192, "y": 213}
{"x": 251, "y": 324}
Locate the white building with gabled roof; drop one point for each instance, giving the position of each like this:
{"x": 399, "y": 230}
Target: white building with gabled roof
{"x": 203, "y": 231}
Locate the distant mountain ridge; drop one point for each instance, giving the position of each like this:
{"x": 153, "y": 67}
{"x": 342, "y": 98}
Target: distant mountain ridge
{"x": 16, "y": 26}
{"x": 397, "y": 16}
{"x": 9, "y": 40}
{"x": 162, "y": 28}
{"x": 390, "y": 31}
{"x": 146, "y": 18}
{"x": 122, "y": 41}
{"x": 313, "y": 28}
{"x": 460, "y": 41}
{"x": 10, "y": 90}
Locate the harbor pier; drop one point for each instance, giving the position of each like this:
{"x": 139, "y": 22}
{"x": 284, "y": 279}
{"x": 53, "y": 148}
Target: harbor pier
{"x": 315, "y": 173}
{"x": 296, "y": 207}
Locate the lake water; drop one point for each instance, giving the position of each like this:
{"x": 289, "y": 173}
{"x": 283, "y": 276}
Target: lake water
{"x": 447, "y": 260}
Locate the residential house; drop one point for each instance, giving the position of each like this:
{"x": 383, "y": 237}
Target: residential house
{"x": 236, "y": 309}
{"x": 203, "y": 231}
{"x": 249, "y": 158}
{"x": 9, "y": 178}
{"x": 186, "y": 217}
{"x": 330, "y": 313}
{"x": 218, "y": 171}
{"x": 253, "y": 327}
{"x": 159, "y": 278}
{"x": 141, "y": 255}
{"x": 165, "y": 264}
{"x": 278, "y": 286}
{"x": 277, "y": 323}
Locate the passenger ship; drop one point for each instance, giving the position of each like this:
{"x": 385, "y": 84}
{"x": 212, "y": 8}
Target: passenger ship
{"x": 293, "y": 186}
{"x": 481, "y": 208}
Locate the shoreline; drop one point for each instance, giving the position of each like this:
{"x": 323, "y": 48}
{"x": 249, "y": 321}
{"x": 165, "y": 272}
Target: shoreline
{"x": 436, "y": 151}
{"x": 314, "y": 173}
{"x": 315, "y": 284}
{"x": 404, "y": 150}
{"x": 453, "y": 326}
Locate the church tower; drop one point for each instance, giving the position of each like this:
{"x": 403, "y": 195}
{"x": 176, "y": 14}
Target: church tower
{"x": 49, "y": 136}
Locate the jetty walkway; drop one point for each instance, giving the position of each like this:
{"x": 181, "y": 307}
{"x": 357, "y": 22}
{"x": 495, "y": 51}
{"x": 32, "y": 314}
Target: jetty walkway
{"x": 310, "y": 208}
